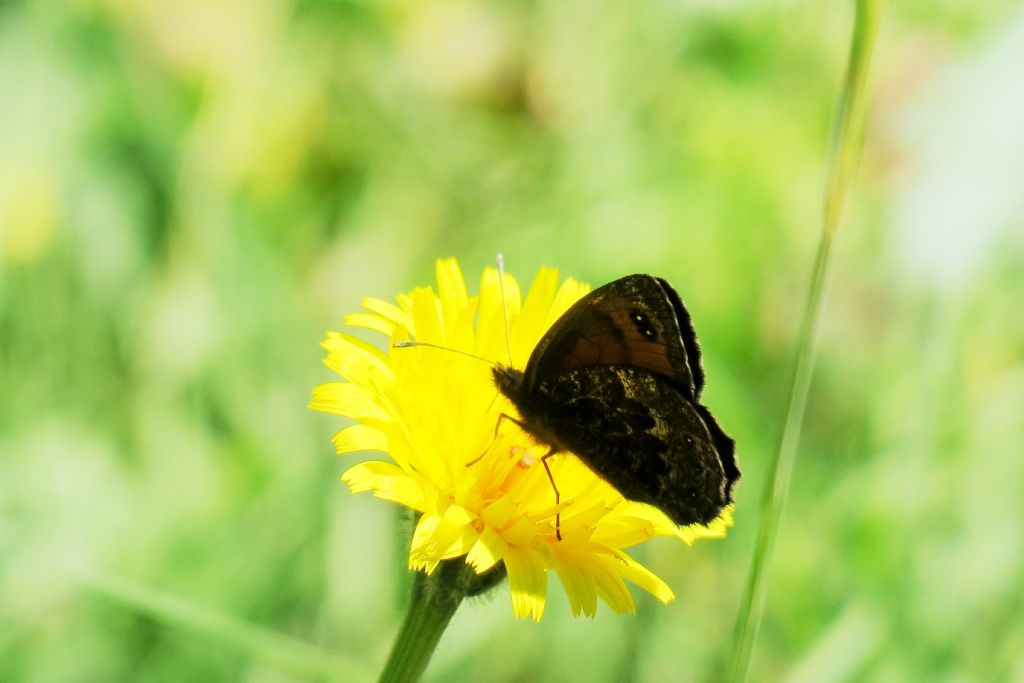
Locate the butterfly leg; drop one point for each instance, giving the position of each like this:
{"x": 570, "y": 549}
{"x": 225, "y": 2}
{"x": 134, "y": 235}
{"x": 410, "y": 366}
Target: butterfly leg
{"x": 497, "y": 428}
{"x": 558, "y": 496}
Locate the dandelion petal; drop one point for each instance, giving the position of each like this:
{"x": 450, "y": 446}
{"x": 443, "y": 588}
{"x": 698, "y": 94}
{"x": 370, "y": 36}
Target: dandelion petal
{"x": 455, "y": 534}
{"x": 357, "y": 361}
{"x": 610, "y": 586}
{"x": 645, "y": 578}
{"x": 487, "y": 551}
{"x": 387, "y": 481}
{"x": 451, "y": 288}
{"x": 350, "y": 400}
{"x": 370, "y": 322}
{"x": 578, "y": 584}
{"x": 360, "y": 437}
{"x": 389, "y": 312}
{"x": 427, "y": 316}
{"x": 527, "y": 581}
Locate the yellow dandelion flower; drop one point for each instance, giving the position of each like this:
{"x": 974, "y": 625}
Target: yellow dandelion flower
{"x": 482, "y": 497}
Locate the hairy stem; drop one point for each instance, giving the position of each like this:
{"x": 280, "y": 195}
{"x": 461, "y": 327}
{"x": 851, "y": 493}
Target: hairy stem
{"x": 435, "y": 598}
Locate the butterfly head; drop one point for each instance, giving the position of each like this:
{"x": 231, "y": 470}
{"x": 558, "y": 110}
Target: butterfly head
{"x": 512, "y": 384}
{"x": 509, "y": 381}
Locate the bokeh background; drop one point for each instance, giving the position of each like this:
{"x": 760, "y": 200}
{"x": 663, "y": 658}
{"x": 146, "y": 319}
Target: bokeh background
{"x": 192, "y": 192}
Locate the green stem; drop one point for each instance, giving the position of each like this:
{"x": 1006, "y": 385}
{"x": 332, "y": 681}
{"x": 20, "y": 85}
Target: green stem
{"x": 430, "y": 610}
{"x": 847, "y": 144}
{"x": 435, "y": 598}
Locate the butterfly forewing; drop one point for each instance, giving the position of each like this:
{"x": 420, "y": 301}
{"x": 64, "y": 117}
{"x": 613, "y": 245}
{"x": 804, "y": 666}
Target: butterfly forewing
{"x": 636, "y": 321}
{"x": 687, "y": 334}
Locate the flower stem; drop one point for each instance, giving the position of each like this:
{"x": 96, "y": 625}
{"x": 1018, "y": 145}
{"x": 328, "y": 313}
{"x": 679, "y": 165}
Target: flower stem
{"x": 435, "y": 597}
{"x": 430, "y": 610}
{"x": 847, "y": 144}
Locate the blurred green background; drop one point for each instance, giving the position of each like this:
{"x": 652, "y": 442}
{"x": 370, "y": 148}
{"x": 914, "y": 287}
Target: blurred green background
{"x": 192, "y": 192}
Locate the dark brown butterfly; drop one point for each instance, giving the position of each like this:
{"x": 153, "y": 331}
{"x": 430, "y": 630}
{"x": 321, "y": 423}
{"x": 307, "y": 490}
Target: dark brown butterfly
{"x": 617, "y": 381}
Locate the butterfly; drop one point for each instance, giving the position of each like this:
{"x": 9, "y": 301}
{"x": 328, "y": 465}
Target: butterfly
{"x": 617, "y": 380}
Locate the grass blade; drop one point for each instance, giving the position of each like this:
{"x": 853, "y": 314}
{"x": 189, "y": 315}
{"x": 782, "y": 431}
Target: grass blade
{"x": 844, "y": 157}
{"x": 288, "y": 654}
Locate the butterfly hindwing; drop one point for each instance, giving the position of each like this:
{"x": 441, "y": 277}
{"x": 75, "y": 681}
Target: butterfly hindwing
{"x": 643, "y": 436}
{"x": 636, "y": 321}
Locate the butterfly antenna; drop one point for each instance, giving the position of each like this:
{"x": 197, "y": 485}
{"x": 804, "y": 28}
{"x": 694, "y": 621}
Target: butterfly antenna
{"x": 504, "y": 306}
{"x": 493, "y": 400}
{"x": 410, "y": 344}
